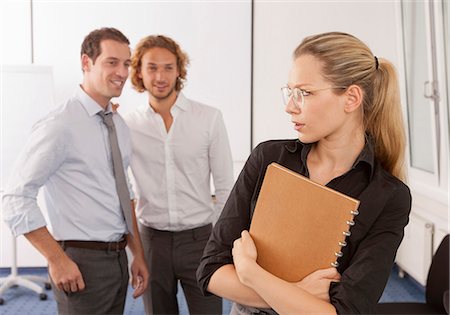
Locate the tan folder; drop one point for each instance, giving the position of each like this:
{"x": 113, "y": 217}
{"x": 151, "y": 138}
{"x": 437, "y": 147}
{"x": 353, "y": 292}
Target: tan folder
{"x": 299, "y": 226}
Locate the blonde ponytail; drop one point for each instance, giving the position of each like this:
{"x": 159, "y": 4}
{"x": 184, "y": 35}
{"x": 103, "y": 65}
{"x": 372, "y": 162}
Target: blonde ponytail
{"x": 384, "y": 120}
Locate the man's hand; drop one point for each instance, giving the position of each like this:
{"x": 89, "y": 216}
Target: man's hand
{"x": 66, "y": 275}
{"x": 63, "y": 270}
{"x": 139, "y": 276}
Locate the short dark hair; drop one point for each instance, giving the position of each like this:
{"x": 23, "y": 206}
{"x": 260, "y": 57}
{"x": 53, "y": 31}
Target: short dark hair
{"x": 160, "y": 41}
{"x": 91, "y": 43}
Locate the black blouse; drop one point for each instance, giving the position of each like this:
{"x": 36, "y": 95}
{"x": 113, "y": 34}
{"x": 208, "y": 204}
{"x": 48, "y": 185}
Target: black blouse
{"x": 385, "y": 204}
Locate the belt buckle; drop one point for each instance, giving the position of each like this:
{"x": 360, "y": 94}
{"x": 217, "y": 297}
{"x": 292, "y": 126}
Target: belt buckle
{"x": 113, "y": 246}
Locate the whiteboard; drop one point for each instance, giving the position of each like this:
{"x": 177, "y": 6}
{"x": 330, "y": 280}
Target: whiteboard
{"x": 27, "y": 94}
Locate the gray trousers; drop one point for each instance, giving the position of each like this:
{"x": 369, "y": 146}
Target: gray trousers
{"x": 173, "y": 257}
{"x": 105, "y": 275}
{"x": 238, "y": 309}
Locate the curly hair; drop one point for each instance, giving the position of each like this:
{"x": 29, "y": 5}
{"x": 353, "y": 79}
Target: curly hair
{"x": 160, "y": 41}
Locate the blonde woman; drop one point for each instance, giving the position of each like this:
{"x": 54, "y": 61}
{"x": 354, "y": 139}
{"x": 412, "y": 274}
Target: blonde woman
{"x": 344, "y": 104}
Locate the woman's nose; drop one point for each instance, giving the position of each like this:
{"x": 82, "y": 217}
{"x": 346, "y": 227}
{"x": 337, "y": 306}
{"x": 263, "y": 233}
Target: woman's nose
{"x": 292, "y": 107}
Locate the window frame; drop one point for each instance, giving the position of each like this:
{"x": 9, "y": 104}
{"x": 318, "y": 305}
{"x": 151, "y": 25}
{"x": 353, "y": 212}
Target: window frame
{"x": 433, "y": 185}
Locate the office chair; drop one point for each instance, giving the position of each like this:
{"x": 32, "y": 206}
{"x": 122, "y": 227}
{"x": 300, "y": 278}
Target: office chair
{"x": 27, "y": 281}
{"x": 436, "y": 289}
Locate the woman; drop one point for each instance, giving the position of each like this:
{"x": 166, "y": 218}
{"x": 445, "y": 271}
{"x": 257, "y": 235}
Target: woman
{"x": 344, "y": 104}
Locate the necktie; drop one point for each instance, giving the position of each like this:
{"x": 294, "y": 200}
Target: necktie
{"x": 119, "y": 174}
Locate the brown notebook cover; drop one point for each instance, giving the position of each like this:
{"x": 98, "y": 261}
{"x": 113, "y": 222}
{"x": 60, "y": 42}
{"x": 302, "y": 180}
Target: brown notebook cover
{"x": 298, "y": 225}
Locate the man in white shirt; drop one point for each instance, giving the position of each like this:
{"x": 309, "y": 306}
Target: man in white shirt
{"x": 177, "y": 145}
{"x": 72, "y": 156}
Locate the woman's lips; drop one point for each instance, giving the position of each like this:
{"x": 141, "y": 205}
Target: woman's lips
{"x": 298, "y": 126}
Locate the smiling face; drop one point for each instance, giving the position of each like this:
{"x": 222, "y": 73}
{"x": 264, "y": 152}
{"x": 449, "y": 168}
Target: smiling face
{"x": 323, "y": 113}
{"x": 159, "y": 73}
{"x": 105, "y": 78}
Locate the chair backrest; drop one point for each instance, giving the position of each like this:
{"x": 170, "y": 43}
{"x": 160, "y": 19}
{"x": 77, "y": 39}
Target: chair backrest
{"x": 438, "y": 276}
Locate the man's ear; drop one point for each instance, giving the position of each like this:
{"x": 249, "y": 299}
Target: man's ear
{"x": 354, "y": 95}
{"x": 85, "y": 62}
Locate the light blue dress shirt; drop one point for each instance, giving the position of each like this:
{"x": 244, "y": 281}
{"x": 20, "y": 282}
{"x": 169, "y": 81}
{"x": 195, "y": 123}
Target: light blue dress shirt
{"x": 69, "y": 155}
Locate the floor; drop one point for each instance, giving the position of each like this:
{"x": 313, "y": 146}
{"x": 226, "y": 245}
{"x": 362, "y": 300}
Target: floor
{"x": 22, "y": 301}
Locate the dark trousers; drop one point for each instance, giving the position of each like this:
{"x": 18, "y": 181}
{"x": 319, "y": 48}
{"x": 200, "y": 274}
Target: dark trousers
{"x": 238, "y": 309}
{"x": 105, "y": 274}
{"x": 173, "y": 256}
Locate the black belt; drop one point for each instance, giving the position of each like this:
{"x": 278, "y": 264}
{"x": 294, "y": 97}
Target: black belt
{"x": 110, "y": 246}
{"x": 196, "y": 233}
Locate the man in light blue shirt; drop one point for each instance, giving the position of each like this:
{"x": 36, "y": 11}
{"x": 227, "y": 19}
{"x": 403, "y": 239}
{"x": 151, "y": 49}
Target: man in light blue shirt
{"x": 69, "y": 154}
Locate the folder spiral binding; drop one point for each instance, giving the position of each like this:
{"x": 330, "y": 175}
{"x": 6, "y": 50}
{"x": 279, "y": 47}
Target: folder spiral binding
{"x": 299, "y": 226}
{"x": 344, "y": 243}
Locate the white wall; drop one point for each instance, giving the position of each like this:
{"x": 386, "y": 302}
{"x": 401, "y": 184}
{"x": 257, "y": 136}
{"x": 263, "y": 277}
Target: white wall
{"x": 15, "y": 32}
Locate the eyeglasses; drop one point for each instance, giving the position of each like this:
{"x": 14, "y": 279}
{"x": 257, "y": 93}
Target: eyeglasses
{"x": 299, "y": 94}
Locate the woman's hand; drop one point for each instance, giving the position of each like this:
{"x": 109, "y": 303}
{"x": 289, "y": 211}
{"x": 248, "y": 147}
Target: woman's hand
{"x": 318, "y": 283}
{"x": 244, "y": 256}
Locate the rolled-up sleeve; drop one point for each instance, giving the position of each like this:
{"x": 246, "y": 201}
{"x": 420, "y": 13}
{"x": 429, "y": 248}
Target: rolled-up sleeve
{"x": 42, "y": 155}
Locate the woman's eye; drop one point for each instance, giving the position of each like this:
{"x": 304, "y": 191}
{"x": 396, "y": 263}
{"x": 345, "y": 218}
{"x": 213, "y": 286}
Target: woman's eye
{"x": 305, "y": 93}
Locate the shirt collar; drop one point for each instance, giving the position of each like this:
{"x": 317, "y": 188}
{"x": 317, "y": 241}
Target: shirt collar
{"x": 88, "y": 103}
{"x": 181, "y": 102}
{"x": 367, "y": 154}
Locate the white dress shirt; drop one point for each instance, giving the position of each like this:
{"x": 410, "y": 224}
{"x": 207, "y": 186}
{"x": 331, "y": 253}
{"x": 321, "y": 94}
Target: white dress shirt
{"x": 68, "y": 153}
{"x": 172, "y": 170}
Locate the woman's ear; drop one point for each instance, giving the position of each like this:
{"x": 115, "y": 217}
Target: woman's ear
{"x": 354, "y": 95}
